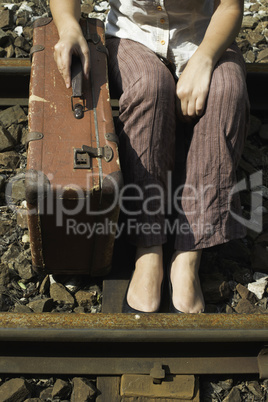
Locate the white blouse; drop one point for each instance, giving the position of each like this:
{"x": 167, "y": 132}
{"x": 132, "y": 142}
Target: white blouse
{"x": 171, "y": 28}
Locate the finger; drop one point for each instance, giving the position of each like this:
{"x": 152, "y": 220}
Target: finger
{"x": 183, "y": 96}
{"x": 184, "y": 109}
{"x": 184, "y": 119}
{"x": 66, "y": 60}
{"x": 62, "y": 57}
{"x": 57, "y": 58}
{"x": 184, "y": 104}
{"x": 200, "y": 106}
{"x": 191, "y": 109}
{"x": 85, "y": 59}
{"x": 59, "y": 65}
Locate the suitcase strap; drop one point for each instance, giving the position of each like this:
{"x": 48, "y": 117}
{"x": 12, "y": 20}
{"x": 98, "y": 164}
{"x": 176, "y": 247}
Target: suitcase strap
{"x": 91, "y": 29}
{"x": 77, "y": 74}
{"x": 105, "y": 152}
{"x": 82, "y": 157}
{"x": 77, "y": 87}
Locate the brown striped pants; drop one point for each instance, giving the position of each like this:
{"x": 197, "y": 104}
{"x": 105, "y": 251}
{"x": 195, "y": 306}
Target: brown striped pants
{"x": 207, "y": 151}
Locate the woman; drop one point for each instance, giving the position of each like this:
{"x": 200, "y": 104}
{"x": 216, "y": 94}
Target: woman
{"x": 209, "y": 97}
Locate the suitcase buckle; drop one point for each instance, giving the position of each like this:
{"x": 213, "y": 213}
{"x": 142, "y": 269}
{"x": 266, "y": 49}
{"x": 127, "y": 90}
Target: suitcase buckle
{"x": 78, "y": 108}
{"x": 92, "y": 37}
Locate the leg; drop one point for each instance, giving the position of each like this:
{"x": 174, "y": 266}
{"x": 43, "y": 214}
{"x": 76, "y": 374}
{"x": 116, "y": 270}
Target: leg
{"x": 214, "y": 152}
{"x": 146, "y": 129}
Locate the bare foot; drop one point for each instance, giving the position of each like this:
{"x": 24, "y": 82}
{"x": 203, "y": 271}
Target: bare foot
{"x": 144, "y": 291}
{"x": 187, "y": 293}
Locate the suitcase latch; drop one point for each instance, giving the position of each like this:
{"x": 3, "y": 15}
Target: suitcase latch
{"x": 82, "y": 156}
{"x": 105, "y": 152}
{"x": 81, "y": 159}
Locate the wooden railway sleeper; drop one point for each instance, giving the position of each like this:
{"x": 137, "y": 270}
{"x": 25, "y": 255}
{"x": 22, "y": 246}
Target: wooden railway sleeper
{"x": 263, "y": 363}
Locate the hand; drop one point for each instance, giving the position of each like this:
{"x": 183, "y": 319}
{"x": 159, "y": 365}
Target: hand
{"x": 193, "y": 86}
{"x": 71, "y": 42}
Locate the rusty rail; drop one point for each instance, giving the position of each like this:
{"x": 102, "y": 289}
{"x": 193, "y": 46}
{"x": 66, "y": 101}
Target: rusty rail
{"x": 15, "y": 79}
{"x": 107, "y": 344}
{"x": 133, "y": 328}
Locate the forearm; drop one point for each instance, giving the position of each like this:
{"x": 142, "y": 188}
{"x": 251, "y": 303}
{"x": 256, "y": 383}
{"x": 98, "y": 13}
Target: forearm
{"x": 193, "y": 85}
{"x": 222, "y": 30}
{"x": 66, "y": 14}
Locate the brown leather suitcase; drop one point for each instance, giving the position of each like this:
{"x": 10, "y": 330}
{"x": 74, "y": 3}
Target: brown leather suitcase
{"x": 73, "y": 173}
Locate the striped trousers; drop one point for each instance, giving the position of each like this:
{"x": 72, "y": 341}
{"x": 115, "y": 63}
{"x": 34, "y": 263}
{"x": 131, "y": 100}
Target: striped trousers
{"x": 178, "y": 177}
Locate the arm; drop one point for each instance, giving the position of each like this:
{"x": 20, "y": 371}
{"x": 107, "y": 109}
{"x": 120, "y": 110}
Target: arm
{"x": 193, "y": 85}
{"x": 66, "y": 14}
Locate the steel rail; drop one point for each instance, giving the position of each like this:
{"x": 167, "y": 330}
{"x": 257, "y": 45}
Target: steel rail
{"x": 15, "y": 79}
{"x": 134, "y": 328}
{"x": 107, "y": 344}
{"x": 8, "y": 66}
{"x": 115, "y": 344}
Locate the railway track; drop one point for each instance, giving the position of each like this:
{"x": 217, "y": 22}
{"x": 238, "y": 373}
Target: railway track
{"x": 116, "y": 347}
{"x": 163, "y": 349}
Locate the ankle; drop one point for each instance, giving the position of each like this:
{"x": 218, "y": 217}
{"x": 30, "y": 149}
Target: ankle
{"x": 186, "y": 262}
{"x": 149, "y": 261}
{"x": 156, "y": 251}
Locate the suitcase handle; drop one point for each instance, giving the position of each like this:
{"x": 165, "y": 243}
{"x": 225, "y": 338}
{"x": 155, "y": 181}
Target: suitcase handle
{"x": 77, "y": 87}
